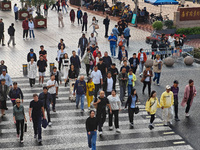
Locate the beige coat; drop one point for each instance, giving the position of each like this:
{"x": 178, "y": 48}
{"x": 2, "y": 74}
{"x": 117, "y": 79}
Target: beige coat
{"x": 155, "y": 66}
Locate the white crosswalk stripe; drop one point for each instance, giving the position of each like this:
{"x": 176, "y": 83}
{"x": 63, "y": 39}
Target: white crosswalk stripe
{"x": 69, "y": 123}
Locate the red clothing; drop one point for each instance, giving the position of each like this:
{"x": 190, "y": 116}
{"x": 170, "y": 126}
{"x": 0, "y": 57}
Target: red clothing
{"x": 144, "y": 57}
{"x": 187, "y": 95}
{"x": 25, "y": 25}
{"x": 63, "y": 3}
{"x": 95, "y": 55}
{"x": 72, "y": 16}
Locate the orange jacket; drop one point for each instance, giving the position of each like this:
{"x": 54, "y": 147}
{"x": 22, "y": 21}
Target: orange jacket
{"x": 144, "y": 55}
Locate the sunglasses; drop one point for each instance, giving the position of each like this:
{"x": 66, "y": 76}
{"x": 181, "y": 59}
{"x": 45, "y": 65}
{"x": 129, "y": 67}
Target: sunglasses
{"x": 17, "y": 102}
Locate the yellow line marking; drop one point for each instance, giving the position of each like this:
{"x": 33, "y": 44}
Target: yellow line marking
{"x": 159, "y": 124}
{"x": 181, "y": 142}
{"x": 168, "y": 133}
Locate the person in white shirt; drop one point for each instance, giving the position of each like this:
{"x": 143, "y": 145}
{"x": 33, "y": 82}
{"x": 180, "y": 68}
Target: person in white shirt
{"x": 108, "y": 84}
{"x": 52, "y": 85}
{"x": 32, "y": 71}
{"x": 97, "y": 79}
{"x": 92, "y": 40}
{"x": 31, "y": 28}
{"x": 171, "y": 41}
{"x": 115, "y": 104}
{"x": 30, "y": 9}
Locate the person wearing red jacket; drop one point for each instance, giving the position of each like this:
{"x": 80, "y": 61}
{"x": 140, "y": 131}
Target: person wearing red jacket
{"x": 95, "y": 54}
{"x": 25, "y": 28}
{"x": 142, "y": 57}
{"x": 72, "y": 16}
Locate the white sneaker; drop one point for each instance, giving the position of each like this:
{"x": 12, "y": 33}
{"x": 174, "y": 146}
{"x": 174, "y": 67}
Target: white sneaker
{"x": 22, "y": 141}
{"x": 50, "y": 123}
{"x": 100, "y": 133}
{"x": 111, "y": 128}
{"x": 118, "y": 130}
{"x": 158, "y": 84}
{"x": 187, "y": 115}
{"x": 23, "y": 38}
{"x": 154, "y": 82}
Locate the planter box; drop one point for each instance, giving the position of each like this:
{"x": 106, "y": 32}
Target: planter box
{"x": 75, "y": 2}
{"x": 40, "y": 23}
{"x": 5, "y": 5}
{"x": 23, "y": 14}
{"x": 195, "y": 36}
{"x": 167, "y": 31}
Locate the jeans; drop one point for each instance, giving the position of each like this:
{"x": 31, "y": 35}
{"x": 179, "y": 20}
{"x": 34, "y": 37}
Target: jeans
{"x": 77, "y": 70}
{"x": 114, "y": 82}
{"x": 92, "y": 139}
{"x": 78, "y": 97}
{"x": 122, "y": 92}
{"x": 134, "y": 69}
{"x": 82, "y": 51}
{"x": 31, "y": 81}
{"x": 12, "y": 38}
{"x": 101, "y": 117}
{"x": 53, "y": 100}
{"x": 84, "y": 25}
{"x": 16, "y": 15}
{"x": 87, "y": 69}
{"x": 127, "y": 39}
{"x": 25, "y": 33}
{"x": 31, "y": 31}
{"x": 131, "y": 112}
{"x": 37, "y": 121}
{"x": 130, "y": 87}
{"x": 97, "y": 87}
{"x": 20, "y": 125}
{"x": 188, "y": 106}
{"x": 156, "y": 77}
{"x": 112, "y": 50}
{"x": 141, "y": 66}
{"x": 60, "y": 64}
{"x": 48, "y": 113}
{"x": 116, "y": 114}
{"x": 80, "y": 20}
{"x": 64, "y": 7}
{"x": 144, "y": 87}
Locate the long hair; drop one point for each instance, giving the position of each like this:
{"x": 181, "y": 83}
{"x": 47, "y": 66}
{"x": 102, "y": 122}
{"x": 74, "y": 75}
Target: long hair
{"x": 132, "y": 93}
{"x": 151, "y": 95}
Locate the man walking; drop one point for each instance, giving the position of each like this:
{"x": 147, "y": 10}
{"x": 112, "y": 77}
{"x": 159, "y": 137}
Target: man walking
{"x": 7, "y": 78}
{"x": 15, "y": 93}
{"x": 2, "y": 66}
{"x": 74, "y": 60}
{"x": 2, "y": 32}
{"x": 123, "y": 78}
{"x": 16, "y": 12}
{"x": 115, "y": 31}
{"x": 42, "y": 65}
{"x": 79, "y": 15}
{"x": 36, "y": 113}
{"x": 134, "y": 62}
{"x": 82, "y": 44}
{"x": 113, "y": 40}
{"x": 52, "y": 85}
{"x": 4, "y": 89}
{"x": 11, "y": 32}
{"x": 46, "y": 98}
{"x": 60, "y": 18}
{"x": 127, "y": 34}
{"x": 80, "y": 89}
{"x": 167, "y": 102}
{"x": 106, "y": 22}
{"x": 25, "y": 28}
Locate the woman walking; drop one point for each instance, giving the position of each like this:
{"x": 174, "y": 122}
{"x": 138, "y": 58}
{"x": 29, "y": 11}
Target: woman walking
{"x": 91, "y": 127}
{"x": 94, "y": 25}
{"x": 131, "y": 103}
{"x": 146, "y": 79}
{"x": 31, "y": 28}
{"x": 60, "y": 56}
{"x": 72, "y": 16}
{"x": 32, "y": 71}
{"x": 85, "y": 21}
{"x": 88, "y": 59}
{"x": 131, "y": 81}
{"x": 115, "y": 104}
{"x": 151, "y": 107}
{"x": 65, "y": 63}
{"x": 19, "y": 118}
{"x": 90, "y": 88}
{"x": 157, "y": 66}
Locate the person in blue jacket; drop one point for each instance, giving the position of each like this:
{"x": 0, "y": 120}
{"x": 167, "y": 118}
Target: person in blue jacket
{"x": 122, "y": 54}
{"x": 79, "y": 15}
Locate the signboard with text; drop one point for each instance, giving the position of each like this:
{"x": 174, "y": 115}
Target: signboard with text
{"x": 191, "y": 13}
{"x": 133, "y": 18}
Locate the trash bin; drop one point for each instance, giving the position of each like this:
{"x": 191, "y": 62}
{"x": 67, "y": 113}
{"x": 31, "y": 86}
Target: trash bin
{"x": 25, "y": 71}
{"x": 51, "y": 66}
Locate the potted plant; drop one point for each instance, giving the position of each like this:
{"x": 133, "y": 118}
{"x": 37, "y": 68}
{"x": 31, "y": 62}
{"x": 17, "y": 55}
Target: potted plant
{"x": 5, "y": 5}
{"x": 23, "y": 13}
{"x": 40, "y": 21}
{"x": 191, "y": 33}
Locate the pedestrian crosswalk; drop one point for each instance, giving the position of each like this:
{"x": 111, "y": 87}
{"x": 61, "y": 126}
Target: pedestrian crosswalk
{"x": 68, "y": 128}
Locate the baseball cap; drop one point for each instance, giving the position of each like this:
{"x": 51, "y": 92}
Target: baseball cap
{"x": 31, "y": 50}
{"x": 168, "y": 87}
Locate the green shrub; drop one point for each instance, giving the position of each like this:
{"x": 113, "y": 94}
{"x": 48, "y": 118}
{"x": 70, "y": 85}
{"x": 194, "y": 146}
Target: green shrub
{"x": 169, "y": 24}
{"x": 188, "y": 31}
{"x": 157, "y": 25}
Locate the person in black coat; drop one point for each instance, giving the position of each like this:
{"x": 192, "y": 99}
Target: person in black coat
{"x": 154, "y": 48}
{"x": 82, "y": 44}
{"x": 30, "y": 55}
{"x": 61, "y": 44}
{"x": 106, "y": 22}
{"x": 107, "y": 60}
{"x": 114, "y": 72}
{"x": 2, "y": 66}
{"x": 75, "y": 61}
{"x": 11, "y": 32}
{"x": 134, "y": 62}
{"x": 2, "y": 32}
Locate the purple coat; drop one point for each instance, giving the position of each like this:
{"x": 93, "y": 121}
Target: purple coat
{"x": 186, "y": 95}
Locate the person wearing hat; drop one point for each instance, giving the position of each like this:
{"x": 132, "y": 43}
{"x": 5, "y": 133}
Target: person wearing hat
{"x": 175, "y": 90}
{"x": 43, "y": 52}
{"x": 30, "y": 55}
{"x": 4, "y": 89}
{"x": 90, "y": 88}
{"x": 6, "y": 76}
{"x": 2, "y": 66}
{"x": 32, "y": 71}
{"x": 11, "y": 32}
{"x": 189, "y": 94}
{"x": 166, "y": 103}
{"x": 113, "y": 40}
{"x": 2, "y": 32}
{"x": 15, "y": 93}
{"x": 46, "y": 98}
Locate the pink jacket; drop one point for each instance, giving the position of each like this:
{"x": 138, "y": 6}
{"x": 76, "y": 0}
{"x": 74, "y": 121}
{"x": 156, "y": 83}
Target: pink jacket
{"x": 186, "y": 95}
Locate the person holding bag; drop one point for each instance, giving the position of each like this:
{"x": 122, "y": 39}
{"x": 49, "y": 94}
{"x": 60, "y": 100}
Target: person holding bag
{"x": 90, "y": 91}
{"x": 131, "y": 103}
{"x": 19, "y": 118}
{"x": 88, "y": 59}
{"x": 151, "y": 107}
{"x": 142, "y": 57}
{"x": 146, "y": 79}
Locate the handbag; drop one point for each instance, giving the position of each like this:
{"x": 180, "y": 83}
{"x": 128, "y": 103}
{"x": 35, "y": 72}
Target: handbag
{"x": 91, "y": 93}
{"x": 137, "y": 110}
{"x": 142, "y": 80}
{"x": 96, "y": 26}
{"x": 25, "y": 127}
{"x": 44, "y": 123}
{"x": 120, "y": 43}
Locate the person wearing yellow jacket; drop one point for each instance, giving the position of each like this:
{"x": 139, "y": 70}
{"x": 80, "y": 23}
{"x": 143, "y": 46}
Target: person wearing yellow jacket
{"x": 167, "y": 102}
{"x": 151, "y": 107}
{"x": 131, "y": 81}
{"x": 90, "y": 87}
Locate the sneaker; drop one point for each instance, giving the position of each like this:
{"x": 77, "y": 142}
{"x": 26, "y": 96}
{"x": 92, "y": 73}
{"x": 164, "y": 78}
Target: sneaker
{"x": 158, "y": 84}
{"x": 111, "y": 128}
{"x": 76, "y": 107}
{"x": 131, "y": 125}
{"x": 3, "y": 45}
{"x": 14, "y": 44}
{"x": 118, "y": 130}
{"x": 50, "y": 124}
{"x": 89, "y": 108}
{"x": 100, "y": 133}
{"x": 177, "y": 119}
{"x": 165, "y": 124}
{"x": 54, "y": 110}
{"x": 150, "y": 127}
{"x": 154, "y": 82}
{"x": 22, "y": 141}
{"x": 35, "y": 136}
{"x": 170, "y": 123}
{"x": 82, "y": 110}
{"x": 187, "y": 115}
{"x": 23, "y": 38}
{"x": 40, "y": 143}
{"x": 8, "y": 44}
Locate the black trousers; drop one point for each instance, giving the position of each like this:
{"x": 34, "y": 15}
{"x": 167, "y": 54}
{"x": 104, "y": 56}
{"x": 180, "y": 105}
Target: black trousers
{"x": 114, "y": 83}
{"x": 116, "y": 115}
{"x": 80, "y": 20}
{"x": 32, "y": 82}
{"x": 106, "y": 31}
{"x": 16, "y": 15}
{"x": 59, "y": 64}
{"x": 131, "y": 112}
{"x": 48, "y": 113}
{"x": 144, "y": 86}
{"x": 134, "y": 69}
{"x": 152, "y": 118}
{"x": 127, "y": 40}
{"x": 25, "y": 33}
{"x": 87, "y": 69}
{"x": 101, "y": 117}
{"x": 84, "y": 25}
{"x": 20, "y": 125}
{"x": 176, "y": 108}
{"x": 53, "y": 100}
{"x": 97, "y": 87}
{"x": 54, "y": 6}
{"x": 77, "y": 70}
{"x": 82, "y": 51}
{"x": 188, "y": 106}
{"x": 107, "y": 93}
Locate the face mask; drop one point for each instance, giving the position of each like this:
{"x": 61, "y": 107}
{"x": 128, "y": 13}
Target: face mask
{"x": 141, "y": 51}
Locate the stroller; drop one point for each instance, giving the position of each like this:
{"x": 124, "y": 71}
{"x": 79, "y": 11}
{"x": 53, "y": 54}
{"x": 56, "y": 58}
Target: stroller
{"x": 72, "y": 97}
